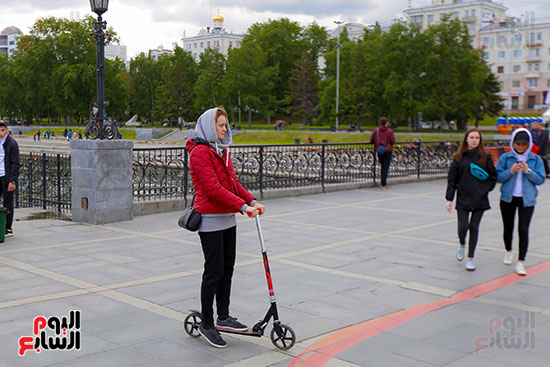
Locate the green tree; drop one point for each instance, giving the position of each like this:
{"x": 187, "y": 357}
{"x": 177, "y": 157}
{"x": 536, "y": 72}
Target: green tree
{"x": 283, "y": 43}
{"x": 249, "y": 76}
{"x": 316, "y": 39}
{"x": 404, "y": 58}
{"x": 117, "y": 89}
{"x": 174, "y": 95}
{"x": 304, "y": 94}
{"x": 450, "y": 70}
{"x": 327, "y": 85}
{"x": 210, "y": 89}
{"x": 53, "y": 69}
{"x": 484, "y": 98}
{"x": 144, "y": 78}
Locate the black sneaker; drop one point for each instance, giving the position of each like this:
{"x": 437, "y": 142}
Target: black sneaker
{"x": 9, "y": 232}
{"x": 213, "y": 337}
{"x": 231, "y": 324}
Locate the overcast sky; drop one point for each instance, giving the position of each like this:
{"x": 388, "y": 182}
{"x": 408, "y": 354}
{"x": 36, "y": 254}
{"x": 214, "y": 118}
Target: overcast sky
{"x": 145, "y": 24}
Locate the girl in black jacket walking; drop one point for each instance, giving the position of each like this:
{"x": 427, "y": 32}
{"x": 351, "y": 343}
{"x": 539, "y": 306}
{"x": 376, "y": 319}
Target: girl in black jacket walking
{"x": 473, "y": 175}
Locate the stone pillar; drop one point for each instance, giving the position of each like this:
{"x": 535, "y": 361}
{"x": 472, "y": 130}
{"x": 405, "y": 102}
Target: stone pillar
{"x": 101, "y": 181}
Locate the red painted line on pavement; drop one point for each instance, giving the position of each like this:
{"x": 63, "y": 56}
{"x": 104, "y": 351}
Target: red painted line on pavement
{"x": 322, "y": 351}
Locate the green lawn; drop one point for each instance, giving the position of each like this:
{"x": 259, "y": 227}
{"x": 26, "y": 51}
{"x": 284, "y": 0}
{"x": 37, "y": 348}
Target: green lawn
{"x": 288, "y": 138}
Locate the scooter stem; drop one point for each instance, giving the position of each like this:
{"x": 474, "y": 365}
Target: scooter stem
{"x": 260, "y": 234}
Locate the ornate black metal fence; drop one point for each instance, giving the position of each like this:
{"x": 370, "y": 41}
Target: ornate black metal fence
{"x": 44, "y": 181}
{"x": 163, "y": 173}
{"x": 160, "y": 174}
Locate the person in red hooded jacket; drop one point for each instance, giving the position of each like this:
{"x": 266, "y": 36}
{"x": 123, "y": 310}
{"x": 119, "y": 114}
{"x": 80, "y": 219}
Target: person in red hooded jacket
{"x": 383, "y": 137}
{"x": 218, "y": 196}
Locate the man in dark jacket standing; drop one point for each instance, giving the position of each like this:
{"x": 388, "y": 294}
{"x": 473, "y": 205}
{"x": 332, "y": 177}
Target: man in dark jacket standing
{"x": 9, "y": 172}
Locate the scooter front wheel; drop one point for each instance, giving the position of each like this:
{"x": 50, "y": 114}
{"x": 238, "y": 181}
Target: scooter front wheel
{"x": 282, "y": 336}
{"x": 191, "y": 324}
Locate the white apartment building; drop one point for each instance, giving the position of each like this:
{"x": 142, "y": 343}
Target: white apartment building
{"x": 159, "y": 51}
{"x": 116, "y": 52}
{"x": 215, "y": 37}
{"x": 356, "y": 31}
{"x": 8, "y": 40}
{"x": 516, "y": 48}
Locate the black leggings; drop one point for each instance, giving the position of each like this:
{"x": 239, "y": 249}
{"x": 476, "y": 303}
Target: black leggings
{"x": 219, "y": 249}
{"x": 465, "y": 223}
{"x": 508, "y": 211}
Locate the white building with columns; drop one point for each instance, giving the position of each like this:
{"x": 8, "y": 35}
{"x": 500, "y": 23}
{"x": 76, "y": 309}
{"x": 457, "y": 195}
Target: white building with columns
{"x": 215, "y": 37}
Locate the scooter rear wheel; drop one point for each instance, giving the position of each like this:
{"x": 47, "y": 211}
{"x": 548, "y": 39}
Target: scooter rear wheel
{"x": 191, "y": 324}
{"x": 282, "y": 336}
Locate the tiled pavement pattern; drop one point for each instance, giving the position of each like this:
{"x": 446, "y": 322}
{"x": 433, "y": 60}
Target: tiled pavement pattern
{"x": 337, "y": 260}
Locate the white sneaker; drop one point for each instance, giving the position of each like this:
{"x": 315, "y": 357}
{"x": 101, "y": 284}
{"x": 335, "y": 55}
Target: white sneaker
{"x": 508, "y": 258}
{"x": 460, "y": 253}
{"x": 470, "y": 266}
{"x": 520, "y": 269}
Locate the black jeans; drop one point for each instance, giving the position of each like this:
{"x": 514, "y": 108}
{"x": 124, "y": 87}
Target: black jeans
{"x": 219, "y": 249}
{"x": 471, "y": 223}
{"x": 508, "y": 212}
{"x": 7, "y": 199}
{"x": 385, "y": 160}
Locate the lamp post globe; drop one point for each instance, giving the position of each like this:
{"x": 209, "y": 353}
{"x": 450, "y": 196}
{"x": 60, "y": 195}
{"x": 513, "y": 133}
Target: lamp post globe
{"x": 99, "y": 6}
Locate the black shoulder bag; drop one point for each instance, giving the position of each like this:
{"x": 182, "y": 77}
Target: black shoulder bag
{"x": 190, "y": 219}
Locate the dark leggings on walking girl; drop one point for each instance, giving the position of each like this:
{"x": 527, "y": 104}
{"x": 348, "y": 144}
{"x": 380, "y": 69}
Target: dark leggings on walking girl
{"x": 467, "y": 223}
{"x": 219, "y": 250}
{"x": 508, "y": 211}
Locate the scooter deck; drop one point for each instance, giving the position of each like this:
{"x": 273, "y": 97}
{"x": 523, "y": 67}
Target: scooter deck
{"x": 247, "y": 333}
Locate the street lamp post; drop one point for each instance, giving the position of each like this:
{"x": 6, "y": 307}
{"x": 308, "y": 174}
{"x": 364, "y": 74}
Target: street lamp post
{"x": 337, "y": 70}
{"x": 513, "y": 23}
{"x": 99, "y": 7}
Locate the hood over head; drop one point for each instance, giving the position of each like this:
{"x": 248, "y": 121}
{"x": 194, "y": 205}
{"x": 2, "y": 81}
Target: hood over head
{"x": 523, "y": 156}
{"x": 206, "y": 130}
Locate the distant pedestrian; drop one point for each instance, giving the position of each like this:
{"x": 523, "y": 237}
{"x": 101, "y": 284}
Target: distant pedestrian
{"x": 34, "y": 137}
{"x": 9, "y": 173}
{"x": 472, "y": 176}
{"x": 69, "y": 135}
{"x": 540, "y": 139}
{"x": 80, "y": 135}
{"x": 520, "y": 171}
{"x": 38, "y": 135}
{"x": 383, "y": 140}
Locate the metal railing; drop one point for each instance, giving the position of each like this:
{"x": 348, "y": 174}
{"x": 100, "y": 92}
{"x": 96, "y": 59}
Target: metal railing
{"x": 44, "y": 181}
{"x": 163, "y": 173}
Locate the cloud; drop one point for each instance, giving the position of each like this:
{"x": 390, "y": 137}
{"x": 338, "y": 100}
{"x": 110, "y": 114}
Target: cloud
{"x": 146, "y": 24}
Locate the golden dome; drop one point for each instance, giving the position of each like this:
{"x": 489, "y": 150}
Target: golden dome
{"x": 218, "y": 17}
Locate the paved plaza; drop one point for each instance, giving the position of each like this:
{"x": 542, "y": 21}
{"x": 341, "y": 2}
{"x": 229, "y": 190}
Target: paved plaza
{"x": 364, "y": 277}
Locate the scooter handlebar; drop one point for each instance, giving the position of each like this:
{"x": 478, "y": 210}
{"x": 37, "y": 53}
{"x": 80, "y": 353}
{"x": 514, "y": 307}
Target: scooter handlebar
{"x": 260, "y": 212}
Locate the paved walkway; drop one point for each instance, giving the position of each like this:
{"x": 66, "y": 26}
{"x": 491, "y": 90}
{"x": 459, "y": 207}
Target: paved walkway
{"x": 364, "y": 277}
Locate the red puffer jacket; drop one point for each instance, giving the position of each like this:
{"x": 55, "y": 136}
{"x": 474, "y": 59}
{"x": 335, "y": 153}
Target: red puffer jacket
{"x": 217, "y": 189}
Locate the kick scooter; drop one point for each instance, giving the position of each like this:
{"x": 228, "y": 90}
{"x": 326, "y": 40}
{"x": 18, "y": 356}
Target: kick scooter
{"x": 282, "y": 336}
